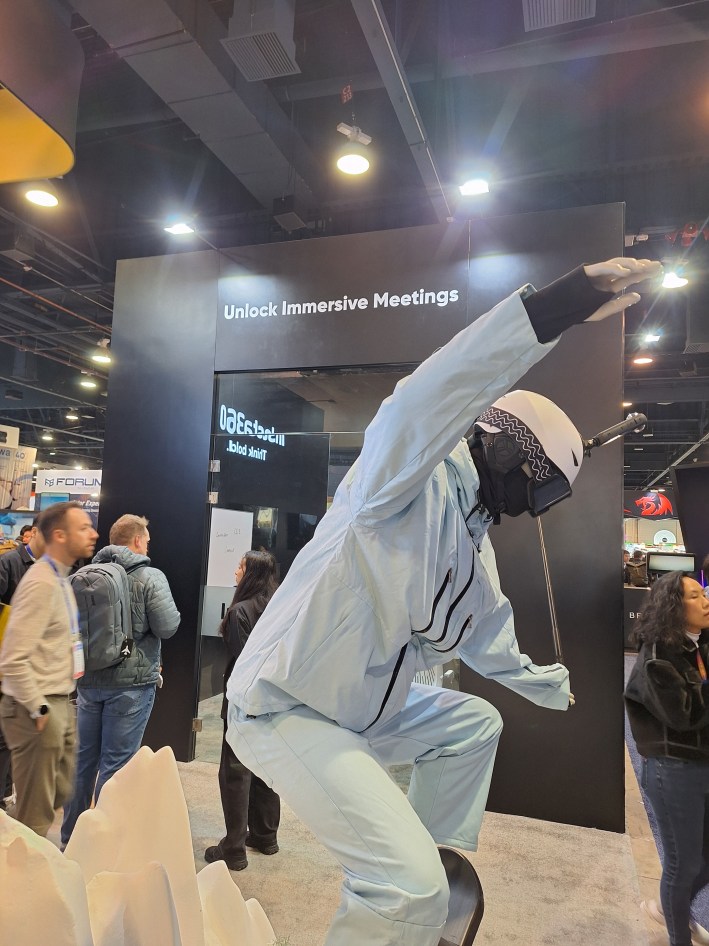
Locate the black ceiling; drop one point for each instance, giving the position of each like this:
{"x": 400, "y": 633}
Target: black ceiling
{"x": 614, "y": 107}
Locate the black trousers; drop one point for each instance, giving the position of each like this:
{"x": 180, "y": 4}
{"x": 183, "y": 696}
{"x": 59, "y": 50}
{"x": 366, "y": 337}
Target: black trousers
{"x": 248, "y": 803}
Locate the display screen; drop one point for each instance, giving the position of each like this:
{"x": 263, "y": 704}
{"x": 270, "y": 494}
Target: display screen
{"x": 661, "y": 562}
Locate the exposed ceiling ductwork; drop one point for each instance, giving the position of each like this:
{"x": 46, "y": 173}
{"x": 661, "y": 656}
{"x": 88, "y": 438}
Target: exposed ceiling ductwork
{"x": 260, "y": 39}
{"x": 176, "y": 47}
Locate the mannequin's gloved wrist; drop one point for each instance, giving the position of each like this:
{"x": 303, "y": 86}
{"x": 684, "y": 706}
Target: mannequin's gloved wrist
{"x": 563, "y": 303}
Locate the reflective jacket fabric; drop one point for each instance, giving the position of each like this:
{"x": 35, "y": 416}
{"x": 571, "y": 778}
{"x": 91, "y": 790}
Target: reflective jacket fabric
{"x": 400, "y": 574}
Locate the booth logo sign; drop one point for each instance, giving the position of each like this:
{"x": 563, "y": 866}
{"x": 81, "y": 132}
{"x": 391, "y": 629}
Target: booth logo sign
{"x": 72, "y": 481}
{"x": 378, "y": 300}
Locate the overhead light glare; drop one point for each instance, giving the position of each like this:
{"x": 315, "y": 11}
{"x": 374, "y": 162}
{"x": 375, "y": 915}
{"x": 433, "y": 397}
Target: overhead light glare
{"x": 643, "y": 360}
{"x": 638, "y": 449}
{"x": 87, "y": 383}
{"x": 72, "y": 416}
{"x": 474, "y": 187}
{"x": 102, "y": 358}
{"x": 673, "y": 281}
{"x": 42, "y": 194}
{"x": 78, "y": 466}
{"x": 648, "y": 435}
{"x": 650, "y": 337}
{"x": 47, "y": 436}
{"x": 179, "y": 229}
{"x": 627, "y": 403}
{"x": 353, "y": 163}
{"x": 660, "y": 489}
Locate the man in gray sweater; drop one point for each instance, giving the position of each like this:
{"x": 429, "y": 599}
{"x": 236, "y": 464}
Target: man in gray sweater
{"x": 41, "y": 661}
{"x": 114, "y": 704}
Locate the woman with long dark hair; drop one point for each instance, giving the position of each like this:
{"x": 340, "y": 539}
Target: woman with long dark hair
{"x": 667, "y": 698}
{"x": 251, "y": 809}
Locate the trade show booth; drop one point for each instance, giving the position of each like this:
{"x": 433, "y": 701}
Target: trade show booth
{"x": 243, "y": 380}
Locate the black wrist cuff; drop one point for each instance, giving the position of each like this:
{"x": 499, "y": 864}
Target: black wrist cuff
{"x": 563, "y": 303}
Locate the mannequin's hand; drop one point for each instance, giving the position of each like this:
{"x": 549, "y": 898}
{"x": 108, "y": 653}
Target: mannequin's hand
{"x": 618, "y": 274}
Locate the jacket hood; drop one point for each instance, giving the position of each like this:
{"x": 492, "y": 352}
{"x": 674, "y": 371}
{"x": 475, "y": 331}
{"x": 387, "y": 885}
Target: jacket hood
{"x": 120, "y": 554}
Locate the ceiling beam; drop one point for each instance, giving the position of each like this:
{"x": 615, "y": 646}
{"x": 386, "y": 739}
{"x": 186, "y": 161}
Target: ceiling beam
{"x": 671, "y": 391}
{"x": 391, "y": 69}
{"x": 587, "y": 44}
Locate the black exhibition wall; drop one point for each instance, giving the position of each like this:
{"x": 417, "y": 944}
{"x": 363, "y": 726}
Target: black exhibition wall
{"x": 691, "y": 486}
{"x": 290, "y": 306}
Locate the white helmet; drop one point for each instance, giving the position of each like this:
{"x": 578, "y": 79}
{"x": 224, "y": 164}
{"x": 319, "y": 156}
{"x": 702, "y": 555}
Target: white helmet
{"x": 540, "y": 429}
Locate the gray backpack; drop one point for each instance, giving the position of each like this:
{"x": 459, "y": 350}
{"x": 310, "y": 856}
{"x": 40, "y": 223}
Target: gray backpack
{"x": 102, "y": 593}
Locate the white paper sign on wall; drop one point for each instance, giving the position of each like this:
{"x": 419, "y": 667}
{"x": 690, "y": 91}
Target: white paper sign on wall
{"x": 229, "y": 537}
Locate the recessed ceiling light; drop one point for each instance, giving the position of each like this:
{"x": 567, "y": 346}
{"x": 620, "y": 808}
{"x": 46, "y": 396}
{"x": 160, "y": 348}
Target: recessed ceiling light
{"x": 651, "y": 337}
{"x": 627, "y": 403}
{"x": 47, "y": 436}
{"x": 638, "y": 449}
{"x": 87, "y": 383}
{"x": 648, "y": 435}
{"x": 72, "y": 416}
{"x": 101, "y": 358}
{"x": 643, "y": 360}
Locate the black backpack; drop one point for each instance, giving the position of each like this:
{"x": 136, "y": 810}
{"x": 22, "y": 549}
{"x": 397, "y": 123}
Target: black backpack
{"x": 102, "y": 593}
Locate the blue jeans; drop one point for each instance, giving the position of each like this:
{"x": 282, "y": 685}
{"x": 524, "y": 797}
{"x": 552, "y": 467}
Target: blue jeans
{"x": 679, "y": 794}
{"x": 110, "y": 727}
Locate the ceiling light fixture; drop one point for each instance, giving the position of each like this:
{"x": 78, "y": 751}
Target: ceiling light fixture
{"x": 353, "y": 158}
{"x": 72, "y": 416}
{"x": 651, "y": 337}
{"x": 41, "y": 193}
{"x": 101, "y": 355}
{"x": 47, "y": 436}
{"x": 87, "y": 383}
{"x": 627, "y": 403}
{"x": 474, "y": 187}
{"x": 643, "y": 360}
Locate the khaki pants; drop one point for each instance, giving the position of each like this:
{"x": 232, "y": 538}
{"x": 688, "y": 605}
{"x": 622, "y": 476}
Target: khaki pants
{"x": 42, "y": 762}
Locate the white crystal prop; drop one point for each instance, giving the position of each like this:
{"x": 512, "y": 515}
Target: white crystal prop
{"x": 133, "y": 909}
{"x": 127, "y": 877}
{"x": 140, "y": 817}
{"x": 228, "y": 919}
{"x": 43, "y": 896}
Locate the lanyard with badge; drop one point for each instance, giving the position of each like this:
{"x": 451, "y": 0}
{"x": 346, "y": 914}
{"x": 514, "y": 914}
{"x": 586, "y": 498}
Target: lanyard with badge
{"x": 77, "y": 648}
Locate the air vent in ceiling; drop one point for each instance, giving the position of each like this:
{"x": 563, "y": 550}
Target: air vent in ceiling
{"x": 540, "y": 14}
{"x": 260, "y": 39}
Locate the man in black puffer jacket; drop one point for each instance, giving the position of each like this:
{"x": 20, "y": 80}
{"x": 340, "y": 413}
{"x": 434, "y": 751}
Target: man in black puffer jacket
{"x": 15, "y": 564}
{"x": 114, "y": 704}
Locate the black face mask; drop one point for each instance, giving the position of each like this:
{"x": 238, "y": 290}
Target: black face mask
{"x": 505, "y": 486}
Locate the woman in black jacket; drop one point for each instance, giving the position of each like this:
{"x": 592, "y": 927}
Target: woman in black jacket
{"x": 247, "y": 802}
{"x": 667, "y": 698}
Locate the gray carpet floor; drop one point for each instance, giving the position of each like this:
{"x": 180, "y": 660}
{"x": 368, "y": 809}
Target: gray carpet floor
{"x": 545, "y": 884}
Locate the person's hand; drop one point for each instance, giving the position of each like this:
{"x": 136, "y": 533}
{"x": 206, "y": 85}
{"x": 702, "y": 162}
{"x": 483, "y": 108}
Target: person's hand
{"x": 616, "y": 275}
{"x": 41, "y": 722}
{"x": 572, "y": 699}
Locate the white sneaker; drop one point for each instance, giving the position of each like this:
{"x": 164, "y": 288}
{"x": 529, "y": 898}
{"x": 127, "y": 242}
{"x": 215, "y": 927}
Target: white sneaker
{"x": 700, "y": 936}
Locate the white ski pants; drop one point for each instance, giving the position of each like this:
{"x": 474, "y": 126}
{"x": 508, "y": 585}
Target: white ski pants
{"x": 394, "y": 889}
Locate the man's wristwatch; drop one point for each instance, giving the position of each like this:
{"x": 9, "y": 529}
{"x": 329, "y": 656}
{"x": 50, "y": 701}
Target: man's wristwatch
{"x": 40, "y": 711}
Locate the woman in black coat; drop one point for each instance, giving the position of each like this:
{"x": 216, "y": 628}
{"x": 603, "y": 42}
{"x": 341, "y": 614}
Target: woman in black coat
{"x": 667, "y": 698}
{"x": 251, "y": 809}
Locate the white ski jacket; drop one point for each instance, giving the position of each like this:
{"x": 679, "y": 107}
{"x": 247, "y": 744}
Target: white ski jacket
{"x": 400, "y": 574}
